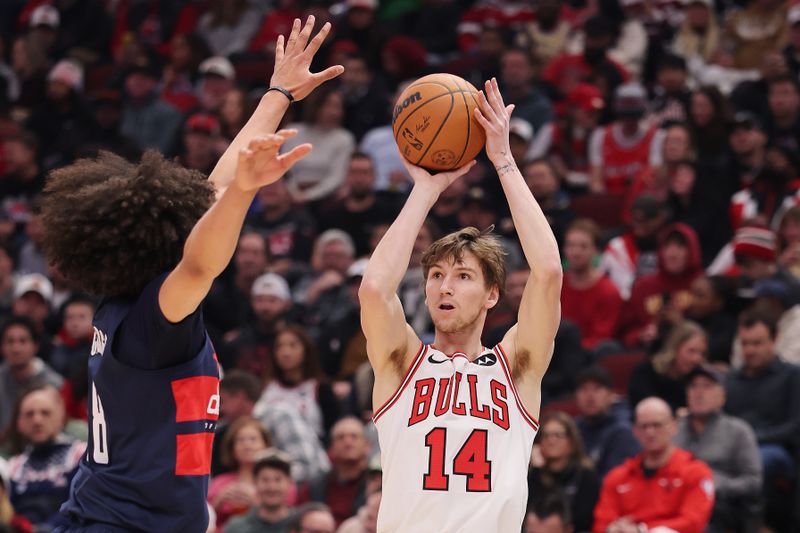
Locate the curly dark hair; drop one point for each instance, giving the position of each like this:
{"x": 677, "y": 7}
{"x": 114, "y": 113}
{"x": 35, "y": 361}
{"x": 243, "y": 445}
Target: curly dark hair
{"x": 111, "y": 226}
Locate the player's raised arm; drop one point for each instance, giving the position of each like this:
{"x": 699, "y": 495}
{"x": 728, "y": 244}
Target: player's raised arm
{"x": 382, "y": 318}
{"x": 529, "y": 342}
{"x": 292, "y": 61}
{"x": 211, "y": 244}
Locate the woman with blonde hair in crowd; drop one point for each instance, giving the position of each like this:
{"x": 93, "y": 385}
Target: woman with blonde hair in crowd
{"x": 686, "y": 347}
{"x": 565, "y": 469}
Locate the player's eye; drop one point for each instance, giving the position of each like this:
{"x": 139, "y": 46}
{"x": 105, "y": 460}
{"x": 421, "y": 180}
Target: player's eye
{"x": 436, "y": 275}
{"x": 464, "y": 276}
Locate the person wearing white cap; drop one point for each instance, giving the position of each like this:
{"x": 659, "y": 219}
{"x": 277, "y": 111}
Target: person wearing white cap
{"x": 33, "y": 294}
{"x": 217, "y": 77}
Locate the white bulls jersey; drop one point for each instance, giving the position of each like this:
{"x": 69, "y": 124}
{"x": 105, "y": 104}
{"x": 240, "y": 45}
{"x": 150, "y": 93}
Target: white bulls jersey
{"x": 455, "y": 446}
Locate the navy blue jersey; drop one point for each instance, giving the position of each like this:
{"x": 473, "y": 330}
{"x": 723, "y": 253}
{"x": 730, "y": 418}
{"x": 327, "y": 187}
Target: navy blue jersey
{"x": 151, "y": 426}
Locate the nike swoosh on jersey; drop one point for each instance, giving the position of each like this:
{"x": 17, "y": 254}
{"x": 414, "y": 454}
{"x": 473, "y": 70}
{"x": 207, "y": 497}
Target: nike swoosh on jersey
{"x": 436, "y": 361}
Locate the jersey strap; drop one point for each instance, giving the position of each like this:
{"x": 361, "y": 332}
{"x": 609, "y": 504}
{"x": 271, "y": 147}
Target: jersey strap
{"x": 412, "y": 369}
{"x": 501, "y": 356}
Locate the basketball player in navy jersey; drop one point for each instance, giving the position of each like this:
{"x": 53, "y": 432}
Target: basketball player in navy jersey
{"x": 151, "y": 239}
{"x": 456, "y": 421}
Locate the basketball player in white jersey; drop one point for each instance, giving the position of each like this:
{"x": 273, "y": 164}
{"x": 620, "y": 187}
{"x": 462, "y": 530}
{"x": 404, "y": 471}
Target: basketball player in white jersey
{"x": 456, "y": 421}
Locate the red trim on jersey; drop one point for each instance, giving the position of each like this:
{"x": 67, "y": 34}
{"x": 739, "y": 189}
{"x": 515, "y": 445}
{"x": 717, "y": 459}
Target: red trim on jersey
{"x": 412, "y": 369}
{"x": 530, "y": 419}
{"x": 193, "y": 454}
{"x": 196, "y": 398}
{"x": 450, "y": 355}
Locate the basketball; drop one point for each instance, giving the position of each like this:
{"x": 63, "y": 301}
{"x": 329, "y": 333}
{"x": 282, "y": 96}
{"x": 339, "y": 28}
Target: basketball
{"x": 433, "y": 122}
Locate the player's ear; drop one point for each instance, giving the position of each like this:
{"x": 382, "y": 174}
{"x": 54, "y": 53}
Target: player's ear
{"x": 494, "y": 297}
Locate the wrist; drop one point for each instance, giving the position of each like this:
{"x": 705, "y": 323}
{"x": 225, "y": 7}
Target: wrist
{"x": 275, "y": 98}
{"x": 429, "y": 192}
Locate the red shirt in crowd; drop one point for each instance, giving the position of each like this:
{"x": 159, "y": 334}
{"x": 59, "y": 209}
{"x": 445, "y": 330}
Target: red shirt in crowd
{"x": 595, "y": 310}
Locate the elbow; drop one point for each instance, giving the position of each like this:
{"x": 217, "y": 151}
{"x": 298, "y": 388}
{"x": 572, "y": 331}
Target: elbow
{"x": 369, "y": 291}
{"x": 550, "y": 273}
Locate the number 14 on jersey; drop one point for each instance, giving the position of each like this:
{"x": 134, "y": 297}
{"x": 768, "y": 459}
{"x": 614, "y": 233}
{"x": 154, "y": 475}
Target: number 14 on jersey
{"x": 470, "y": 461}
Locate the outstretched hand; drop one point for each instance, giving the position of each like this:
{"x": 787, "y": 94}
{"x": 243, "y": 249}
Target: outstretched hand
{"x": 293, "y": 60}
{"x": 494, "y": 116}
{"x": 260, "y": 164}
{"x": 439, "y": 181}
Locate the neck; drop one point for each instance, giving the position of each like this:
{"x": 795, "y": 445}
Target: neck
{"x": 629, "y": 129}
{"x": 583, "y": 277}
{"x": 557, "y": 465}
{"x": 657, "y": 459}
{"x": 467, "y": 341}
{"x": 293, "y": 377}
{"x": 21, "y": 372}
{"x": 246, "y": 473}
{"x": 349, "y": 470}
{"x": 354, "y": 204}
{"x": 699, "y": 421}
{"x": 273, "y": 514}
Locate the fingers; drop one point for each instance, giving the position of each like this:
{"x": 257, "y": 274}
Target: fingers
{"x": 279, "y": 50}
{"x": 292, "y": 43}
{"x": 328, "y": 74}
{"x": 302, "y": 39}
{"x": 287, "y": 134}
{"x": 485, "y": 106}
{"x": 318, "y": 39}
{"x": 495, "y": 98}
{"x": 460, "y": 171}
{"x": 294, "y": 155}
{"x": 266, "y": 142}
{"x": 481, "y": 119}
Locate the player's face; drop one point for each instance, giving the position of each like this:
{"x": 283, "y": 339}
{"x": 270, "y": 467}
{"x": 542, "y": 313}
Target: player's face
{"x": 690, "y": 354}
{"x": 579, "y": 250}
{"x": 289, "y": 352}
{"x": 41, "y": 417}
{"x": 704, "y": 396}
{"x": 247, "y": 444}
{"x": 19, "y": 347}
{"x": 272, "y": 486}
{"x": 593, "y": 399}
{"x": 555, "y": 441}
{"x": 78, "y": 320}
{"x": 457, "y": 295}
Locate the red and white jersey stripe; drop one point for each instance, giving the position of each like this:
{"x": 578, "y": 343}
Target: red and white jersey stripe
{"x": 455, "y": 446}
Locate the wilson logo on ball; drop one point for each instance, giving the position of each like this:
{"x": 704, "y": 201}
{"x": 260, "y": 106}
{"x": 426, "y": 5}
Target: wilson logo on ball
{"x": 407, "y": 102}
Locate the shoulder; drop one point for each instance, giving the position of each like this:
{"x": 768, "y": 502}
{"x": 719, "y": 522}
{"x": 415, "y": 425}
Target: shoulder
{"x": 622, "y": 473}
{"x": 690, "y": 464}
{"x": 737, "y": 425}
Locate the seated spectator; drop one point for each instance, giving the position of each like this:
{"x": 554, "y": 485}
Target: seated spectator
{"x": 755, "y": 252}
{"x": 566, "y": 471}
{"x": 749, "y": 47}
{"x": 783, "y": 120}
{"x": 73, "y": 342}
{"x": 313, "y": 517}
{"x": 588, "y": 298}
{"x": 520, "y": 88}
{"x": 789, "y": 241}
{"x": 107, "y": 108}
{"x": 186, "y": 52}
{"x": 708, "y": 123}
{"x": 670, "y": 95}
{"x": 228, "y": 26}
{"x": 217, "y": 78}
{"x": 343, "y": 489}
{"x": 365, "y": 97}
{"x": 663, "y": 376}
{"x": 319, "y": 174}
{"x": 747, "y": 140}
{"x": 708, "y": 307}
{"x": 366, "y": 519}
{"x": 251, "y": 347}
{"x": 606, "y": 436}
{"x": 547, "y": 34}
{"x": 200, "y": 142}
{"x": 21, "y": 369}
{"x": 633, "y": 254}
{"x": 33, "y": 294}
{"x": 277, "y": 21}
{"x": 9, "y": 518}
{"x": 774, "y": 299}
{"x": 236, "y": 108}
{"x": 727, "y": 445}
{"x": 31, "y": 259}
{"x": 548, "y": 515}
{"x": 23, "y": 178}
{"x": 42, "y": 472}
{"x": 234, "y": 493}
{"x": 273, "y": 482}
{"x": 544, "y": 182}
{"x": 664, "y": 486}
{"x": 658, "y": 300}
{"x": 699, "y": 34}
{"x": 7, "y": 277}
{"x": 765, "y": 393}
{"x": 621, "y": 150}
{"x": 297, "y": 380}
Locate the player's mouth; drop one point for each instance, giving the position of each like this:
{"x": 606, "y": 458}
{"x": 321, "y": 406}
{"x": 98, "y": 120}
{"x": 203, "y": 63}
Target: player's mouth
{"x": 446, "y": 307}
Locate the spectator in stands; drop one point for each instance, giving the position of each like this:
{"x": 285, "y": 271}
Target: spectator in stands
{"x": 606, "y": 436}
{"x": 658, "y": 300}
{"x": 200, "y": 134}
{"x": 62, "y": 118}
{"x": 671, "y": 95}
{"x": 233, "y": 113}
{"x": 29, "y": 63}
{"x": 228, "y": 305}
{"x": 366, "y": 99}
{"x": 663, "y": 486}
{"x": 708, "y": 307}
{"x": 520, "y": 136}
{"x": 239, "y": 392}
{"x": 783, "y": 121}
{"x": 107, "y": 114}
{"x": 791, "y": 52}
{"x": 234, "y": 493}
{"x": 379, "y": 144}
{"x": 251, "y": 349}
{"x": 727, "y": 445}
{"x": 277, "y": 21}
{"x": 544, "y": 181}
{"x": 313, "y": 517}
{"x": 297, "y": 380}
{"x": 748, "y": 46}
{"x": 593, "y": 65}
{"x": 755, "y": 251}
{"x": 229, "y": 25}
{"x": 619, "y": 151}
{"x": 273, "y": 483}
{"x": 699, "y": 34}
{"x": 41, "y": 473}
{"x": 33, "y": 294}
{"x": 21, "y": 368}
{"x": 217, "y": 78}
{"x": 789, "y": 241}
{"x": 7, "y": 278}
{"x": 343, "y": 489}
{"x": 547, "y": 34}
{"x": 186, "y": 52}
{"x": 358, "y": 207}
{"x": 317, "y": 176}
{"x": 146, "y": 119}
{"x": 23, "y": 179}
{"x": 73, "y": 342}
{"x": 566, "y": 471}
{"x": 30, "y": 258}
{"x": 663, "y": 376}
{"x": 588, "y": 298}
{"x": 775, "y": 299}
{"x": 517, "y": 77}
{"x": 548, "y": 515}
{"x": 708, "y": 123}
{"x": 366, "y": 519}
{"x": 747, "y": 141}
{"x": 84, "y": 30}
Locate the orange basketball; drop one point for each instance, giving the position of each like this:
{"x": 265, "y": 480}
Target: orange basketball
{"x": 433, "y": 122}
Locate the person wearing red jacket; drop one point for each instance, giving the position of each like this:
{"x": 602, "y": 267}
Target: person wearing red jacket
{"x": 659, "y": 296}
{"x": 664, "y": 488}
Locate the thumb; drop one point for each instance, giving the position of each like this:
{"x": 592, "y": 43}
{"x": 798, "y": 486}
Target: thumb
{"x": 328, "y": 74}
{"x": 288, "y": 159}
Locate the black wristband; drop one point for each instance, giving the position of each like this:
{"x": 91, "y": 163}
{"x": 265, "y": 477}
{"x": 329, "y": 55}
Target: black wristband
{"x": 284, "y": 92}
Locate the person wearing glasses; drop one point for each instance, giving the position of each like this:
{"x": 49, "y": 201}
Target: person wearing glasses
{"x": 663, "y": 489}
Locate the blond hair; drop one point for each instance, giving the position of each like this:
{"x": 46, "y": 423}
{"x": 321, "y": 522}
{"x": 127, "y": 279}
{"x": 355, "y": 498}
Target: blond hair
{"x": 482, "y": 244}
{"x": 681, "y": 333}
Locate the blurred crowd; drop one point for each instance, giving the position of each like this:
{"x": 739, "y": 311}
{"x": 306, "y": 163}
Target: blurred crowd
{"x": 660, "y": 137}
